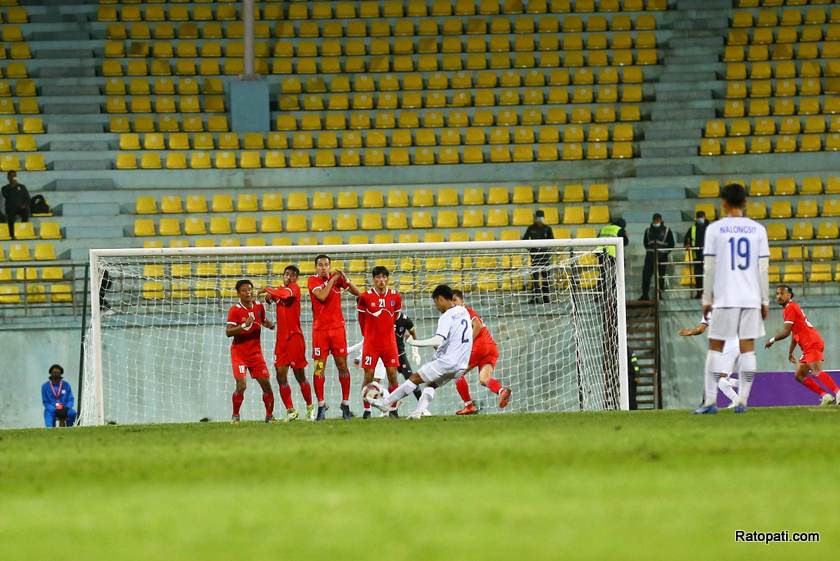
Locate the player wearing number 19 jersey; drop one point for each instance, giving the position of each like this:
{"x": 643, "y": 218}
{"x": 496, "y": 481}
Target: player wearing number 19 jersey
{"x": 809, "y": 340}
{"x": 484, "y": 356}
{"x": 736, "y": 283}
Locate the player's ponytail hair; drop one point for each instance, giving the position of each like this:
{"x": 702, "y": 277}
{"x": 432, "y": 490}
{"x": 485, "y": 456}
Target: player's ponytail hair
{"x": 442, "y": 291}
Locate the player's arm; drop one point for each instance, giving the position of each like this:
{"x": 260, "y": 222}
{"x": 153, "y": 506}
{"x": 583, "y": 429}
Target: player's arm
{"x": 69, "y": 401}
{"x": 709, "y": 263}
{"x": 232, "y": 328}
{"x": 46, "y": 399}
{"x": 360, "y": 310}
{"x": 477, "y": 325}
{"x": 434, "y": 341}
{"x": 321, "y": 292}
{"x": 792, "y": 348}
{"x": 782, "y": 334}
{"x": 764, "y": 274}
{"x": 691, "y": 332}
{"x": 352, "y": 288}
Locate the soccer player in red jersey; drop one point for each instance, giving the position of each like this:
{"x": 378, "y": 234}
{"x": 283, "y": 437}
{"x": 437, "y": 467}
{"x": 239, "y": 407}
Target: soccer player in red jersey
{"x": 289, "y": 347}
{"x": 808, "y": 338}
{"x": 378, "y": 310}
{"x": 328, "y": 335}
{"x": 244, "y": 320}
{"x": 484, "y": 355}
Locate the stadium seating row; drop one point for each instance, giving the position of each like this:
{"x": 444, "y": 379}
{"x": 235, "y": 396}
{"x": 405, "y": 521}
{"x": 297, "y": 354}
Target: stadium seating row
{"x": 735, "y": 146}
{"x": 392, "y": 198}
{"x": 31, "y": 125}
{"x": 15, "y": 14}
{"x": 786, "y": 87}
{"x": 789, "y": 17}
{"x": 31, "y": 293}
{"x": 782, "y": 186}
{"x": 24, "y": 106}
{"x": 16, "y": 51}
{"x": 718, "y": 128}
{"x": 22, "y": 88}
{"x": 168, "y": 123}
{"x": 781, "y": 51}
{"x": 800, "y": 252}
{"x": 163, "y": 86}
{"x": 401, "y": 28}
{"x": 401, "y": 63}
{"x": 791, "y": 274}
{"x": 805, "y": 208}
{"x": 32, "y": 162}
{"x": 801, "y": 230}
{"x": 782, "y": 106}
{"x": 348, "y": 222}
{"x": 377, "y": 138}
{"x": 377, "y": 156}
{"x": 369, "y": 10}
{"x": 165, "y": 104}
{"x": 768, "y": 36}
{"x": 777, "y": 3}
{"x": 21, "y": 252}
{"x": 14, "y": 70}
{"x": 23, "y": 143}
{"x": 48, "y": 273}
{"x": 47, "y": 230}
{"x": 785, "y": 69}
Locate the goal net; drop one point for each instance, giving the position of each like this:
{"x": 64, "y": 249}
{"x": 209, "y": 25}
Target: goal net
{"x": 160, "y": 354}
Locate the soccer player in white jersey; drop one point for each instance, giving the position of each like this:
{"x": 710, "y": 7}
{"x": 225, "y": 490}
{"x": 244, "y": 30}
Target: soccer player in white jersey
{"x": 453, "y": 341}
{"x": 731, "y": 351}
{"x": 736, "y": 283}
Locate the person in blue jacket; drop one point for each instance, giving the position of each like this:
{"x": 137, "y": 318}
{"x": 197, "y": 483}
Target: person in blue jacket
{"x": 57, "y": 397}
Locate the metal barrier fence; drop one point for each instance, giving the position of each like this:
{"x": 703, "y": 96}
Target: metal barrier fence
{"x": 32, "y": 288}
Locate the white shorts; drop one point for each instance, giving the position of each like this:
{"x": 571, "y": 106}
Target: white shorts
{"x": 439, "y": 372}
{"x": 743, "y": 323}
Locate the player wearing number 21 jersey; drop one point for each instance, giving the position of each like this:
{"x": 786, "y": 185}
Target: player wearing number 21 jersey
{"x": 453, "y": 340}
{"x": 809, "y": 340}
{"x": 736, "y": 255}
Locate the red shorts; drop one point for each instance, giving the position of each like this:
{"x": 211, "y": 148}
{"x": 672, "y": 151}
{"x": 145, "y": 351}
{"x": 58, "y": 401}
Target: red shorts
{"x": 389, "y": 355}
{"x": 255, "y": 364}
{"x": 486, "y": 353}
{"x": 814, "y": 353}
{"x": 329, "y": 341}
{"x": 291, "y": 352}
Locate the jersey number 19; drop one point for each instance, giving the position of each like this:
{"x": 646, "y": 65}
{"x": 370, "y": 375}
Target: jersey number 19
{"x": 739, "y": 253}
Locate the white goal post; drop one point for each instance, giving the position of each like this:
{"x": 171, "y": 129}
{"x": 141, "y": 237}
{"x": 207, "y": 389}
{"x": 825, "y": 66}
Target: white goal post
{"x": 556, "y": 309}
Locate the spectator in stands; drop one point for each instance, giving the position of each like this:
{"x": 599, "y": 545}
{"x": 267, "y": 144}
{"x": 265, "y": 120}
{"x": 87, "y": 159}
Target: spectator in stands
{"x": 540, "y": 257}
{"x": 694, "y": 240}
{"x": 616, "y": 229}
{"x": 17, "y": 201}
{"x": 658, "y": 236}
{"x": 57, "y": 397}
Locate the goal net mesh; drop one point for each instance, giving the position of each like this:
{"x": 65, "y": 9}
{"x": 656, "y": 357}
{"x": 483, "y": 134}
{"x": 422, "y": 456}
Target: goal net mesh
{"x": 165, "y": 358}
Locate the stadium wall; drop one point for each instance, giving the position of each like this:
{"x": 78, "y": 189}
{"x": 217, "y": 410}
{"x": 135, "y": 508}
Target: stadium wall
{"x": 683, "y": 358}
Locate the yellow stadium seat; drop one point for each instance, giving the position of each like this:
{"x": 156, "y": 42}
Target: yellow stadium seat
{"x": 247, "y": 202}
{"x": 170, "y": 227}
{"x": 222, "y": 203}
{"x": 497, "y": 217}
{"x": 271, "y": 224}
{"x": 573, "y": 215}
{"x": 372, "y": 221}
{"x": 827, "y": 230}
{"x": 756, "y": 210}
{"x": 807, "y": 208}
{"x": 802, "y": 231}
{"x": 396, "y": 221}
{"x": 573, "y": 193}
{"x": 599, "y": 214}
{"x": 169, "y": 204}
{"x": 245, "y": 224}
{"x": 49, "y": 231}
{"x": 776, "y": 231}
{"x": 126, "y": 161}
{"x": 322, "y": 200}
{"x": 25, "y": 231}
{"x": 220, "y": 225}
{"x": 194, "y": 226}
{"x": 196, "y": 203}
{"x": 145, "y": 205}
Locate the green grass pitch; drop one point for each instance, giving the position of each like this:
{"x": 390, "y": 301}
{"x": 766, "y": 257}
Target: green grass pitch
{"x": 641, "y": 485}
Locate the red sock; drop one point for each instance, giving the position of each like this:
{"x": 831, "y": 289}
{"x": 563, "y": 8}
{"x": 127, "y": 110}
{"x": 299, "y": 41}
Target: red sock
{"x": 286, "y": 396}
{"x": 463, "y": 389}
{"x": 813, "y": 386}
{"x": 366, "y": 405}
{"x": 268, "y": 400}
{"x": 237, "y": 398}
{"x": 827, "y": 381}
{"x": 306, "y": 390}
{"x": 319, "y": 387}
{"x": 494, "y": 386}
{"x": 344, "y": 380}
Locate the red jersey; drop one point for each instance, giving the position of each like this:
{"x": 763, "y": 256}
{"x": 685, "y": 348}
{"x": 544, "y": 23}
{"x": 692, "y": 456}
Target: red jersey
{"x": 484, "y": 337}
{"x": 248, "y": 342}
{"x": 803, "y": 332}
{"x": 377, "y": 315}
{"x": 288, "y": 310}
{"x": 326, "y": 314}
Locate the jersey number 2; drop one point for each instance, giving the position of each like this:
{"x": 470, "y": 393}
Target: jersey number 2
{"x": 464, "y": 338}
{"x": 741, "y": 250}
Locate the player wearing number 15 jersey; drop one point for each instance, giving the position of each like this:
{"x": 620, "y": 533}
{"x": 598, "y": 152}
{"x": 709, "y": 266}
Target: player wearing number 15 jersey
{"x": 809, "y": 340}
{"x": 378, "y": 309}
{"x": 736, "y": 283}
{"x": 244, "y": 320}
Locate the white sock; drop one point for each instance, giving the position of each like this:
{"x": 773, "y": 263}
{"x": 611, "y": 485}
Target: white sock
{"x": 405, "y": 388}
{"x": 725, "y": 385}
{"x": 748, "y": 368}
{"x": 423, "y": 403}
{"x": 713, "y": 361}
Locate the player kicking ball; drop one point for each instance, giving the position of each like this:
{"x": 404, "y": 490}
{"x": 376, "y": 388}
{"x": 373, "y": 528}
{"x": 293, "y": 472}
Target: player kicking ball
{"x": 809, "y": 340}
{"x": 731, "y": 352}
{"x": 736, "y": 272}
{"x": 289, "y": 345}
{"x": 244, "y": 320}
{"x": 453, "y": 340}
{"x": 378, "y": 309}
{"x": 484, "y": 355}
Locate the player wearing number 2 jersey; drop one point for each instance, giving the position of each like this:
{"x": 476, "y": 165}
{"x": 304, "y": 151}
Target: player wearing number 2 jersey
{"x": 736, "y": 283}
{"x": 809, "y": 340}
{"x": 453, "y": 340}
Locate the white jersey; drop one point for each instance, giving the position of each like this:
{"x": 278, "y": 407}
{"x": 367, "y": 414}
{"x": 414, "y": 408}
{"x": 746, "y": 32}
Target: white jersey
{"x": 737, "y": 243}
{"x": 456, "y": 329}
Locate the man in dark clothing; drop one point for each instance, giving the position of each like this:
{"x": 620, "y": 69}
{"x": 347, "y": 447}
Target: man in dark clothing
{"x": 540, "y": 257}
{"x": 694, "y": 240}
{"x": 17, "y": 202}
{"x": 657, "y": 236}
